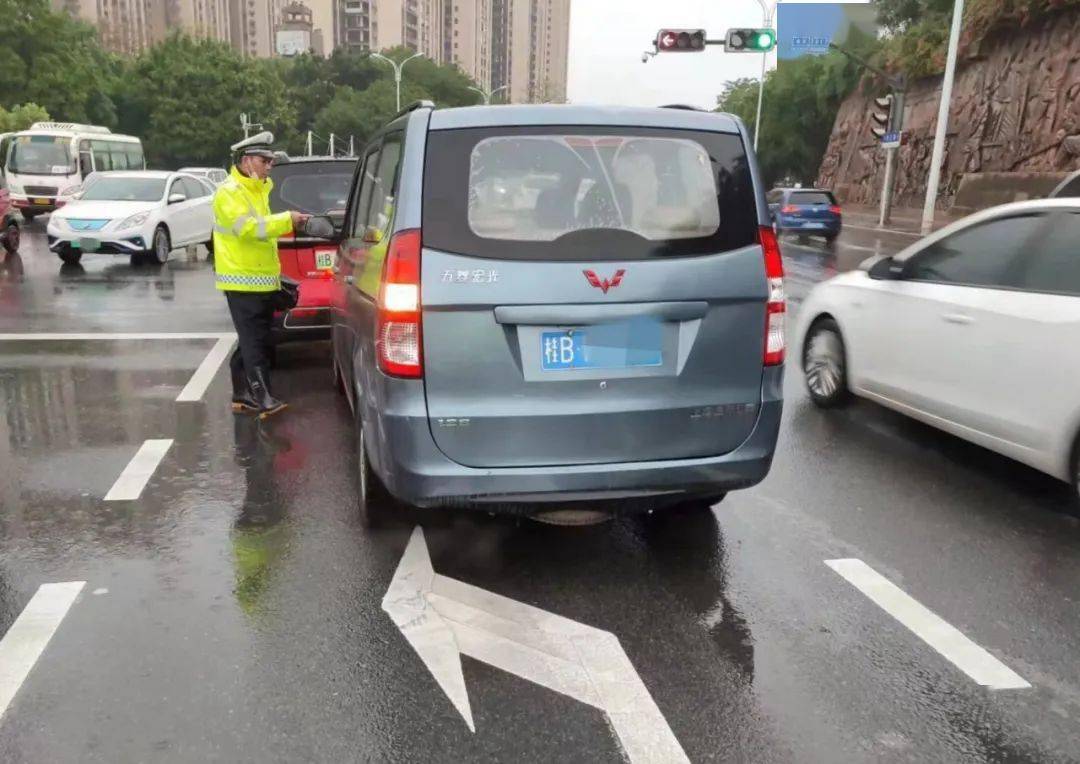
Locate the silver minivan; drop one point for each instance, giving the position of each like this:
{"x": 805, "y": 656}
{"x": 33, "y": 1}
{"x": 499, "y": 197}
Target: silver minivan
{"x": 542, "y": 305}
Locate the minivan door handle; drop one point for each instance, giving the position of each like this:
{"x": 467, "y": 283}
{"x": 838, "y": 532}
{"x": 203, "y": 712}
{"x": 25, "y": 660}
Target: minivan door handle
{"x": 958, "y": 318}
{"x": 560, "y": 315}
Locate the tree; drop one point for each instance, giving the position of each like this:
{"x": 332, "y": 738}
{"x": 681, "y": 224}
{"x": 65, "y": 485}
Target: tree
{"x": 21, "y": 117}
{"x": 361, "y": 114}
{"x": 799, "y": 107}
{"x": 55, "y": 61}
{"x": 189, "y": 97}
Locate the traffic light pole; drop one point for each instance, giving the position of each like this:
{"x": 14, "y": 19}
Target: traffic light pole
{"x": 891, "y": 155}
{"x": 898, "y": 85}
{"x": 766, "y": 22}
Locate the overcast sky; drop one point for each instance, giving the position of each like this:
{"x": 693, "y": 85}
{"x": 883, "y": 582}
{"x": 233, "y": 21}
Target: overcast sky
{"x": 607, "y": 38}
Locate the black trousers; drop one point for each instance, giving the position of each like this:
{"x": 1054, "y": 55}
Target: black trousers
{"x": 252, "y": 316}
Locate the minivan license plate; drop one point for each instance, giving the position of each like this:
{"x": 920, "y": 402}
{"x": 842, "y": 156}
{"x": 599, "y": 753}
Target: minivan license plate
{"x": 608, "y": 346}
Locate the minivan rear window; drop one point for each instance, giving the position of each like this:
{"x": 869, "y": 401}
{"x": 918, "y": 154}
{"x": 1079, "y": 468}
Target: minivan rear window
{"x": 811, "y": 197}
{"x": 587, "y": 193}
{"x": 312, "y": 187}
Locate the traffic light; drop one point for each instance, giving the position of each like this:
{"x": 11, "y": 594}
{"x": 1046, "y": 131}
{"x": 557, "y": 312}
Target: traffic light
{"x": 882, "y": 121}
{"x": 749, "y": 41}
{"x": 680, "y": 40}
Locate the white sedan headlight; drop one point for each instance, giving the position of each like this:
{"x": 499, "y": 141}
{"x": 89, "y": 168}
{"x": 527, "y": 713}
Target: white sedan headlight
{"x": 133, "y": 221}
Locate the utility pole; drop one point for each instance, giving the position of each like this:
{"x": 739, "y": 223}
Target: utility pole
{"x": 331, "y": 144}
{"x": 309, "y": 151}
{"x": 898, "y": 86}
{"x": 352, "y": 153}
{"x": 942, "y": 120}
{"x": 397, "y": 71}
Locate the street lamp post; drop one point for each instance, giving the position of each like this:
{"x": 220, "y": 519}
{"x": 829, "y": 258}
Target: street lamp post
{"x": 487, "y": 95}
{"x": 397, "y": 71}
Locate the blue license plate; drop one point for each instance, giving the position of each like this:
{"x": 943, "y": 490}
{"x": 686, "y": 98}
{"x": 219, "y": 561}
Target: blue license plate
{"x": 621, "y": 345}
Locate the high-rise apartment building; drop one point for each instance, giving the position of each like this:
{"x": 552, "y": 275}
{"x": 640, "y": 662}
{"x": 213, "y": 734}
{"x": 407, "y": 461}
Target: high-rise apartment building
{"x": 530, "y": 49}
{"x": 471, "y": 37}
{"x": 130, "y": 26}
{"x": 519, "y": 44}
{"x": 124, "y": 25}
{"x": 253, "y": 23}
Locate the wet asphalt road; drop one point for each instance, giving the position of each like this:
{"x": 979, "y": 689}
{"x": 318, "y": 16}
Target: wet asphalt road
{"x": 232, "y": 612}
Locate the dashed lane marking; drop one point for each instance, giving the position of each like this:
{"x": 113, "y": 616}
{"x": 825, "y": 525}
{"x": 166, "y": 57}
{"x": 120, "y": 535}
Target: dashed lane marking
{"x": 129, "y": 486}
{"x": 967, "y": 656}
{"x": 27, "y": 638}
{"x": 200, "y": 380}
{"x": 207, "y": 370}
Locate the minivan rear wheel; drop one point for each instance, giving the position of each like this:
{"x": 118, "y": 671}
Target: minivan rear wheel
{"x": 825, "y": 364}
{"x": 371, "y": 497}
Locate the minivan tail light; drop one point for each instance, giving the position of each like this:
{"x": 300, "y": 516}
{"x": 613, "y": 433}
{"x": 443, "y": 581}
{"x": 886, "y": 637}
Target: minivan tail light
{"x": 397, "y": 335}
{"x": 776, "y": 303}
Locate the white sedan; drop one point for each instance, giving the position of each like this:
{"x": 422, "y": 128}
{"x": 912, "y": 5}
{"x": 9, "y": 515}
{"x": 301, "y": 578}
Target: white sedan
{"x": 974, "y": 330}
{"x": 138, "y": 213}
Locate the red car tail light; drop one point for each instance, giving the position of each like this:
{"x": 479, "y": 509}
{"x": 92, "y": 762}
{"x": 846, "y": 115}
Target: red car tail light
{"x": 835, "y": 209}
{"x": 776, "y": 305}
{"x": 789, "y": 209}
{"x": 397, "y": 337}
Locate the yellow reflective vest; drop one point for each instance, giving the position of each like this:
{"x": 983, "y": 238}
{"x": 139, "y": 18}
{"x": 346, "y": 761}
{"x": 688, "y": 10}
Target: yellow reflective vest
{"x": 246, "y": 234}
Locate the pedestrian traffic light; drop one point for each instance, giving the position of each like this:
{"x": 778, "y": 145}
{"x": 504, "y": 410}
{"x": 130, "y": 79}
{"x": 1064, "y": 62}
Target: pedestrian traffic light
{"x": 882, "y": 120}
{"x": 680, "y": 40}
{"x": 749, "y": 41}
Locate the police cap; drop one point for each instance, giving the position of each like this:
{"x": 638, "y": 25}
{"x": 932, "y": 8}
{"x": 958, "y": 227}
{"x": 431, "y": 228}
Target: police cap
{"x": 257, "y": 145}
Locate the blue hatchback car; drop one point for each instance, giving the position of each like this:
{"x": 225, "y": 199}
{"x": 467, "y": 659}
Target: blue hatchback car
{"x": 805, "y": 211}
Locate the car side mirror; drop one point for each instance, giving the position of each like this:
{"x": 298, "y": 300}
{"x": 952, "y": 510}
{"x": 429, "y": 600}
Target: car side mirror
{"x": 372, "y": 235}
{"x": 321, "y": 227}
{"x": 177, "y": 198}
{"x": 886, "y": 269}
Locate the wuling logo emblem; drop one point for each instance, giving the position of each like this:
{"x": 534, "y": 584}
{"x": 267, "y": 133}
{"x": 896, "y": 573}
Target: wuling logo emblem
{"x": 605, "y": 284}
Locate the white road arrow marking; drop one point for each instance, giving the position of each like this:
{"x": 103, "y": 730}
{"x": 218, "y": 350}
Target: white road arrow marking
{"x": 443, "y": 618}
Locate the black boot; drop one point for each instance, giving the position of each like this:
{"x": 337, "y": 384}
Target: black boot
{"x": 243, "y": 402}
{"x": 260, "y": 389}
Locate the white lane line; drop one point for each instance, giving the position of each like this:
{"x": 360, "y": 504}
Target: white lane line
{"x": 140, "y": 469}
{"x": 967, "y": 656}
{"x": 875, "y": 229}
{"x": 86, "y": 336}
{"x": 204, "y": 375}
{"x": 25, "y": 641}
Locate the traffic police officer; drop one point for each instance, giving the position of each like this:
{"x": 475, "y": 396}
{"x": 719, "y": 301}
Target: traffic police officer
{"x": 248, "y": 270}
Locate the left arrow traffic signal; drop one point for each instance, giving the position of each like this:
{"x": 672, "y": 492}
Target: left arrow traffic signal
{"x": 680, "y": 40}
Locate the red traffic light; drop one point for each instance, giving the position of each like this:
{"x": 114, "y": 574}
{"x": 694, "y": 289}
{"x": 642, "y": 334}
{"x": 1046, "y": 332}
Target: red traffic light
{"x": 680, "y": 40}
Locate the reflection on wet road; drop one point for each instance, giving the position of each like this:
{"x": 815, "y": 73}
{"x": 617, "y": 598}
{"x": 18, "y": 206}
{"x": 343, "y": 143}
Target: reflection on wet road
{"x": 233, "y": 611}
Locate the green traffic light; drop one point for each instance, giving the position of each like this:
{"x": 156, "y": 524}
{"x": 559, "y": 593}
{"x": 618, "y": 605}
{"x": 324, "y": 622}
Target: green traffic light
{"x": 764, "y": 41}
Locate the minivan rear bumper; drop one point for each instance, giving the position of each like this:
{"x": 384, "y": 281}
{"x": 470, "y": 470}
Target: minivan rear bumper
{"x": 415, "y": 471}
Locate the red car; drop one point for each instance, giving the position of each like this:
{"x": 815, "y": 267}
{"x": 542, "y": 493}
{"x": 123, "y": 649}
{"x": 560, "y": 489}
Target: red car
{"x": 9, "y": 222}
{"x": 320, "y": 186}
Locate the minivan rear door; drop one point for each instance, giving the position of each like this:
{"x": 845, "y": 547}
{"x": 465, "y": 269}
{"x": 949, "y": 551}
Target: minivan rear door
{"x": 590, "y": 295}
